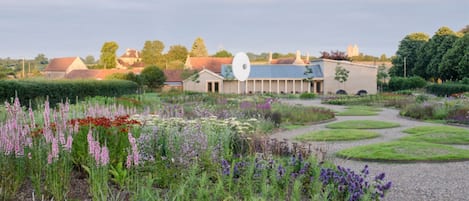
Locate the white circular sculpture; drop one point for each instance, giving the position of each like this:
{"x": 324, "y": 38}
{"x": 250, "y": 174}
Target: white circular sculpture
{"x": 241, "y": 66}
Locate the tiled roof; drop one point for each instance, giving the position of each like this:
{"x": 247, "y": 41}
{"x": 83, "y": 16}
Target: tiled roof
{"x": 173, "y": 75}
{"x": 60, "y": 64}
{"x": 211, "y": 63}
{"x": 275, "y": 71}
{"x": 99, "y": 74}
{"x": 131, "y": 53}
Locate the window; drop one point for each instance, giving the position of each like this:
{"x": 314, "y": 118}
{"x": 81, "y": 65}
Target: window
{"x": 213, "y": 86}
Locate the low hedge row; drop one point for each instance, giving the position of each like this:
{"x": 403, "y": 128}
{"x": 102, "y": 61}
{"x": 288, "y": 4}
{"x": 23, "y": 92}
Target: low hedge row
{"x": 447, "y": 89}
{"x": 29, "y": 91}
{"x": 402, "y": 83}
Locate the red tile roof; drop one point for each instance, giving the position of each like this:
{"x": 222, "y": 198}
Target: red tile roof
{"x": 99, "y": 74}
{"x": 60, "y": 64}
{"x": 211, "y": 63}
{"x": 173, "y": 75}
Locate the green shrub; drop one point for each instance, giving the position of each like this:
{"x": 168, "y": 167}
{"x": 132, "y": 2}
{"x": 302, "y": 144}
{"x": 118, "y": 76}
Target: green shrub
{"x": 308, "y": 96}
{"x": 447, "y": 89}
{"x": 418, "y": 111}
{"x": 401, "y": 83}
{"x": 59, "y": 90}
{"x": 421, "y": 98}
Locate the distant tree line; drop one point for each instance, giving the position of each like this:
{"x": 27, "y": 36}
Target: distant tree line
{"x": 444, "y": 56}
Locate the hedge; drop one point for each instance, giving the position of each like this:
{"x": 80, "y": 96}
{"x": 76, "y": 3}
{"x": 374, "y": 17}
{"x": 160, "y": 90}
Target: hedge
{"x": 447, "y": 89}
{"x": 59, "y": 90}
{"x": 401, "y": 83}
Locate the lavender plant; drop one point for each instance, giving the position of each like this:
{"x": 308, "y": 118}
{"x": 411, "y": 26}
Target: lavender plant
{"x": 348, "y": 185}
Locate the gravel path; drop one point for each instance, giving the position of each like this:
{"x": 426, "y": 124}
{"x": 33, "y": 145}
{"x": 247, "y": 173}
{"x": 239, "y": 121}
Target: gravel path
{"x": 411, "y": 181}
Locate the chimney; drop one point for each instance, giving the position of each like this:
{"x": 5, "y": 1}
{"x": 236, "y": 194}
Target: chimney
{"x": 270, "y": 58}
{"x": 307, "y": 57}
{"x": 188, "y": 64}
{"x": 298, "y": 60}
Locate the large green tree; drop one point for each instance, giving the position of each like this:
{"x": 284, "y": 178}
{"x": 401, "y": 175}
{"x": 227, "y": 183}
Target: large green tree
{"x": 433, "y": 67}
{"x": 429, "y": 52}
{"x": 152, "y": 53}
{"x": 408, "y": 49}
{"x": 153, "y": 77}
{"x": 108, "y": 54}
{"x": 444, "y": 72}
{"x": 198, "y": 48}
{"x": 455, "y": 63}
{"x": 177, "y": 53}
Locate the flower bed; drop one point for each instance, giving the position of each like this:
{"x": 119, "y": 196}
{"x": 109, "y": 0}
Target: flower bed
{"x": 107, "y": 151}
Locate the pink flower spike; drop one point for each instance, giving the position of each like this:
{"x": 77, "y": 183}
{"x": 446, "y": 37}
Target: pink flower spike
{"x": 68, "y": 145}
{"x": 128, "y": 163}
{"x": 104, "y": 156}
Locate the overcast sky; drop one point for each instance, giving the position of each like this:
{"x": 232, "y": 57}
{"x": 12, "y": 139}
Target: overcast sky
{"x": 60, "y": 28}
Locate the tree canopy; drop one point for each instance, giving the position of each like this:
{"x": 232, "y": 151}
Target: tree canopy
{"x": 444, "y": 56}
{"x": 455, "y": 62}
{"x": 90, "y": 59}
{"x": 408, "y": 50}
{"x": 223, "y": 53}
{"x": 177, "y": 53}
{"x": 198, "y": 48}
{"x": 153, "y": 77}
{"x": 108, "y": 54}
{"x": 152, "y": 53}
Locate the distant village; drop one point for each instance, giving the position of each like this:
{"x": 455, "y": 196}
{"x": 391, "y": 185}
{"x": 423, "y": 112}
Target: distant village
{"x": 275, "y": 74}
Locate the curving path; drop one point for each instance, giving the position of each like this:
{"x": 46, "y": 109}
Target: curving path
{"x": 411, "y": 181}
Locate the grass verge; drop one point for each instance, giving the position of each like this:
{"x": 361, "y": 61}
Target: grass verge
{"x": 438, "y": 134}
{"x": 362, "y": 124}
{"x": 359, "y": 111}
{"x": 337, "y": 135}
{"x": 405, "y": 151}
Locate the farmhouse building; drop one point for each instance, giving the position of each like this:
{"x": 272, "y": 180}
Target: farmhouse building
{"x": 130, "y": 59}
{"x": 59, "y": 67}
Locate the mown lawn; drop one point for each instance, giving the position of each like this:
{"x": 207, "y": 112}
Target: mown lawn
{"x": 438, "y": 134}
{"x": 362, "y": 124}
{"x": 337, "y": 135}
{"x": 405, "y": 151}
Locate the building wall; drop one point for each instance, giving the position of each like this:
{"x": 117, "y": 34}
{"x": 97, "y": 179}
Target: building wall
{"x": 231, "y": 86}
{"x": 76, "y": 65}
{"x": 201, "y": 86}
{"x": 361, "y": 77}
{"x": 54, "y": 74}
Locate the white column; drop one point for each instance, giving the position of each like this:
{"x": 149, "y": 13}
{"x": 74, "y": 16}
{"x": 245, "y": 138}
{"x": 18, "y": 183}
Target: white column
{"x": 270, "y": 86}
{"x": 294, "y": 87}
{"x": 246, "y": 87}
{"x": 262, "y": 86}
{"x": 309, "y": 86}
{"x": 278, "y": 86}
{"x": 254, "y": 87}
{"x": 314, "y": 87}
{"x": 301, "y": 82}
{"x": 286, "y": 86}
